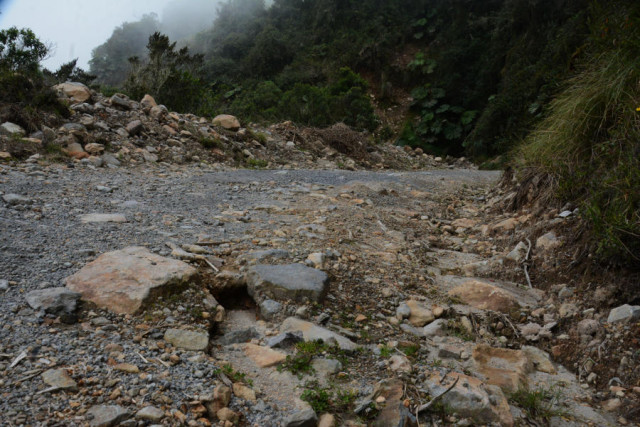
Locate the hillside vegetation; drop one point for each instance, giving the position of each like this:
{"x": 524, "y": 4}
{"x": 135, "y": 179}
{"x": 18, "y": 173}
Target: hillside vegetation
{"x": 587, "y": 148}
{"x": 550, "y": 89}
{"x": 479, "y": 73}
{"x": 555, "y": 81}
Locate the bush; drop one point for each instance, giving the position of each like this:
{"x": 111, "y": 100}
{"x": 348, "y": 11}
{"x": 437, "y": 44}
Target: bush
{"x": 307, "y": 105}
{"x": 589, "y": 144}
{"x": 21, "y": 51}
{"x": 21, "y": 81}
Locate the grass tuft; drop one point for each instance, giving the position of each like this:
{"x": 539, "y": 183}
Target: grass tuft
{"x": 587, "y": 149}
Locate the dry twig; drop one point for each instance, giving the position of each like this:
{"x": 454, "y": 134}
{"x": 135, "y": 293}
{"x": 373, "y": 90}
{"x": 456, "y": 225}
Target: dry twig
{"x": 435, "y": 399}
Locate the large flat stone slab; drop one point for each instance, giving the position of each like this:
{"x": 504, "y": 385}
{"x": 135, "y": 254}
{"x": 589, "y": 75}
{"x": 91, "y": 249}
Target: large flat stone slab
{"x": 102, "y": 217}
{"x": 471, "y": 398}
{"x": 485, "y": 296}
{"x": 53, "y": 300}
{"x": 188, "y": 340}
{"x": 125, "y": 281}
{"x": 107, "y": 415}
{"x": 503, "y": 367}
{"x": 312, "y": 332}
{"x": 264, "y": 357}
{"x": 294, "y": 282}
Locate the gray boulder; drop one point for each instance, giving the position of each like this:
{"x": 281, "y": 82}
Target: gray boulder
{"x": 304, "y": 418}
{"x": 295, "y": 282}
{"x": 9, "y": 129}
{"x": 624, "y": 313}
{"x": 16, "y": 199}
{"x": 107, "y": 415}
{"x": 57, "y": 301}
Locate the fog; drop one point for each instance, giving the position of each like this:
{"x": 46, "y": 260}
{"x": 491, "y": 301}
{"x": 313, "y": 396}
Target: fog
{"x": 74, "y": 27}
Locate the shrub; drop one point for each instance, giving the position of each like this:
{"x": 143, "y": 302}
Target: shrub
{"x": 589, "y": 144}
{"x": 21, "y": 81}
{"x": 21, "y": 51}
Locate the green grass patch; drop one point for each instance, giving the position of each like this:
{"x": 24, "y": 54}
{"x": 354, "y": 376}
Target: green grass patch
{"x": 257, "y": 163}
{"x": 539, "y": 404}
{"x": 233, "y": 375}
{"x": 328, "y": 399}
{"x": 386, "y": 351}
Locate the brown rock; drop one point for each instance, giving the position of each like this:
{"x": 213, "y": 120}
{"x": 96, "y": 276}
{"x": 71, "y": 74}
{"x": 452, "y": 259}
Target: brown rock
{"x": 484, "y": 296}
{"x": 171, "y": 131}
{"x": 264, "y": 356}
{"x": 77, "y": 92}
{"x": 125, "y": 281}
{"x": 221, "y": 399}
{"x": 612, "y": 405}
{"x": 393, "y": 412}
{"x": 327, "y": 420}
{"x": 126, "y": 367}
{"x": 438, "y": 311}
{"x": 159, "y": 112}
{"x": 244, "y": 392}
{"x": 94, "y": 148}
{"x": 134, "y": 127}
{"x": 464, "y": 223}
{"x": 540, "y": 359}
{"x": 470, "y": 398}
{"x": 503, "y": 367}
{"x": 60, "y": 379}
{"x": 399, "y": 363}
{"x": 148, "y": 102}
{"x": 420, "y": 315}
{"x": 227, "y": 121}
{"x": 74, "y": 147}
{"x": 226, "y": 414}
{"x": 508, "y": 224}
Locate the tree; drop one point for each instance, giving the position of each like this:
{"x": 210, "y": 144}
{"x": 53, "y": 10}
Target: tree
{"x": 69, "y": 72}
{"x": 110, "y": 60}
{"x": 21, "y": 82}
{"x": 171, "y": 76}
{"x": 20, "y": 50}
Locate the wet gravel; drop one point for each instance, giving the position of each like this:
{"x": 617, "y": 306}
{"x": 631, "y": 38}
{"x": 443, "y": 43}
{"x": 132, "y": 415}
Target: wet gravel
{"x": 43, "y": 241}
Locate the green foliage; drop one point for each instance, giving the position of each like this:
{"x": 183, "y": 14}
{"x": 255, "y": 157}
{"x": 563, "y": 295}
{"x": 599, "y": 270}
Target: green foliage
{"x": 21, "y": 81}
{"x": 257, "y": 163}
{"x": 411, "y": 350}
{"x": 328, "y": 399}
{"x": 317, "y": 397}
{"x": 440, "y": 126}
{"x": 208, "y": 142}
{"x": 169, "y": 75}
{"x": 589, "y": 142}
{"x": 20, "y": 51}
{"x": 386, "y": 352}
{"x": 344, "y": 100}
{"x": 456, "y": 329}
{"x": 300, "y": 363}
{"x": 498, "y": 63}
{"x": 233, "y": 375}
{"x": 68, "y": 72}
{"x": 110, "y": 60}
{"x": 259, "y": 103}
{"x": 540, "y": 404}
{"x": 306, "y": 104}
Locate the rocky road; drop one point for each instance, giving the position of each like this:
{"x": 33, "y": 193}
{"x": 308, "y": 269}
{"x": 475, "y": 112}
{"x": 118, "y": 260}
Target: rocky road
{"x": 237, "y": 267}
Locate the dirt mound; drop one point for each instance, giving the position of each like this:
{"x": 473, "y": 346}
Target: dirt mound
{"x": 345, "y": 140}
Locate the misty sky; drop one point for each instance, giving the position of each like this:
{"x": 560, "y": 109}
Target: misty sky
{"x": 74, "y": 27}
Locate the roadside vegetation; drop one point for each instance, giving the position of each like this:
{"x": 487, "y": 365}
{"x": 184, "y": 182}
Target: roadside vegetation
{"x": 587, "y": 147}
